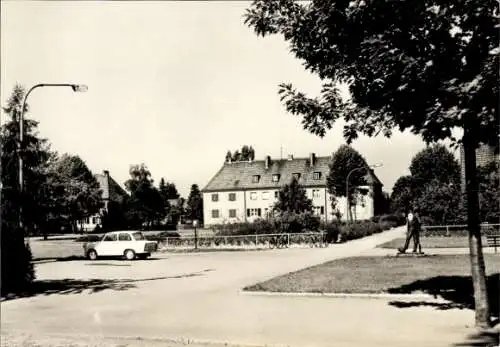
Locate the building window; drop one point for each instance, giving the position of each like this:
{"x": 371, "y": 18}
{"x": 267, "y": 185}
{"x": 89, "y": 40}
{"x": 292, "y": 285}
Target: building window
{"x": 317, "y": 175}
{"x": 276, "y": 194}
{"x": 276, "y": 177}
{"x": 315, "y": 193}
{"x": 232, "y": 196}
{"x": 255, "y": 178}
{"x": 251, "y": 212}
{"x": 215, "y": 197}
{"x": 253, "y": 196}
{"x": 94, "y": 220}
{"x": 232, "y": 213}
{"x": 296, "y": 175}
{"x": 215, "y": 213}
{"x": 265, "y": 196}
{"x": 319, "y": 210}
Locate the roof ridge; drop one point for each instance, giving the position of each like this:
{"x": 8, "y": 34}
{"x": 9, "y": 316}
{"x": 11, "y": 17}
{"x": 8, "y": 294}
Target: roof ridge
{"x": 214, "y": 177}
{"x": 285, "y": 159}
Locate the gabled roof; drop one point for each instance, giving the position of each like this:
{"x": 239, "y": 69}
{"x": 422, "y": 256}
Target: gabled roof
{"x": 111, "y": 190}
{"x": 239, "y": 175}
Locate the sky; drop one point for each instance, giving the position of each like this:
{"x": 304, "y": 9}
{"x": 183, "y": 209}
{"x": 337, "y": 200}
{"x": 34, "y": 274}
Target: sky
{"x": 173, "y": 85}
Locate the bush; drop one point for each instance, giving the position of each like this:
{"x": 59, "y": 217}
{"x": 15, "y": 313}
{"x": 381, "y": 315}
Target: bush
{"x": 359, "y": 229}
{"x": 89, "y": 238}
{"x": 398, "y": 219}
{"x": 332, "y": 231}
{"x": 17, "y": 270}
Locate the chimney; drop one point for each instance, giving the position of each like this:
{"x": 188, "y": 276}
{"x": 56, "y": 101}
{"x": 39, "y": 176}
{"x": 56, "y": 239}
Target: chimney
{"x": 268, "y": 161}
{"x": 312, "y": 159}
{"x": 106, "y": 173}
{"x": 290, "y": 157}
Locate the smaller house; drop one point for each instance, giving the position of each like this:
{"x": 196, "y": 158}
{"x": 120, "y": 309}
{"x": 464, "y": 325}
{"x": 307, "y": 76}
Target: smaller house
{"x": 111, "y": 191}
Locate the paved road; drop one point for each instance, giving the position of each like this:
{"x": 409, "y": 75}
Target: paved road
{"x": 197, "y": 297}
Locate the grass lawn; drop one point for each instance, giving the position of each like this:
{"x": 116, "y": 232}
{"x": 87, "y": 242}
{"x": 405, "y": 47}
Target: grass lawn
{"x": 55, "y": 249}
{"x": 433, "y": 242}
{"x": 379, "y": 275}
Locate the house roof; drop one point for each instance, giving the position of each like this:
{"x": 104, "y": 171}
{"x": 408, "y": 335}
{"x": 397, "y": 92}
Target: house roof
{"x": 111, "y": 190}
{"x": 239, "y": 175}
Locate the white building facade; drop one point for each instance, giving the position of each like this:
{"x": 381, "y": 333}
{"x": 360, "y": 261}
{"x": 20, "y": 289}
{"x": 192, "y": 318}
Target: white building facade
{"x": 247, "y": 191}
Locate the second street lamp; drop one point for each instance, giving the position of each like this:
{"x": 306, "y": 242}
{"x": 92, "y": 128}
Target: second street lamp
{"x": 80, "y": 88}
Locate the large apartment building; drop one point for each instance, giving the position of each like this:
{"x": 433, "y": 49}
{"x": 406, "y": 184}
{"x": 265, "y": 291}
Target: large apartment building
{"x": 246, "y": 190}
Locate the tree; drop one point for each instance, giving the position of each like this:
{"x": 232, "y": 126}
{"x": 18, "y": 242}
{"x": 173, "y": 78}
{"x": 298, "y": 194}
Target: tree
{"x": 435, "y": 175}
{"x": 36, "y": 155}
{"x": 195, "y": 204}
{"x": 165, "y": 193}
{"x": 435, "y": 163}
{"x": 433, "y": 186}
{"x": 168, "y": 190}
{"x": 177, "y": 210}
{"x": 247, "y": 153}
{"x": 344, "y": 161}
{"x": 114, "y": 217}
{"x": 489, "y": 193}
{"x": 439, "y": 201}
{"x": 76, "y": 192}
{"x": 429, "y": 67}
{"x": 17, "y": 271}
{"x": 402, "y": 194}
{"x": 292, "y": 198}
{"x": 145, "y": 205}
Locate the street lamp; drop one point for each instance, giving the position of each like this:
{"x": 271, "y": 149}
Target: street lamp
{"x": 347, "y": 184}
{"x": 77, "y": 88}
{"x": 195, "y": 223}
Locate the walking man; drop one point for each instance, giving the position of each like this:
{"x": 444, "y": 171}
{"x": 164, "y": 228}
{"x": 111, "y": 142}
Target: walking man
{"x": 413, "y": 231}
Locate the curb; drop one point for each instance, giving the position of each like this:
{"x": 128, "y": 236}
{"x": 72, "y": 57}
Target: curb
{"x": 342, "y": 295}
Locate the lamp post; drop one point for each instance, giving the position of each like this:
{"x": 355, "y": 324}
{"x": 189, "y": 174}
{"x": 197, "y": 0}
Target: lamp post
{"x": 81, "y": 88}
{"x": 347, "y": 185}
{"x": 195, "y": 223}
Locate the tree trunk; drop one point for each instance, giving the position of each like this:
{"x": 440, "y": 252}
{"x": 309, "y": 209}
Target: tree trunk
{"x": 476, "y": 250}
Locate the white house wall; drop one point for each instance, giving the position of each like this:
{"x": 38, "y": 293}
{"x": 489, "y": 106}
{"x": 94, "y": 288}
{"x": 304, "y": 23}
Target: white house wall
{"x": 319, "y": 196}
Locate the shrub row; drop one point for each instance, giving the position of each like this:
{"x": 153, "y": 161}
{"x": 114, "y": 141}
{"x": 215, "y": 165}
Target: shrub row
{"x": 286, "y": 223}
{"x": 334, "y": 231}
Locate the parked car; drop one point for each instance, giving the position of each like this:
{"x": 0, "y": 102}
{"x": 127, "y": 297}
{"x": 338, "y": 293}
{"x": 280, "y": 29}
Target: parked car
{"x": 128, "y": 244}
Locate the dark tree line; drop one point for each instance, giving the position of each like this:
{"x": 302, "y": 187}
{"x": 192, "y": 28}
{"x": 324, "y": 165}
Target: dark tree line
{"x": 246, "y": 153}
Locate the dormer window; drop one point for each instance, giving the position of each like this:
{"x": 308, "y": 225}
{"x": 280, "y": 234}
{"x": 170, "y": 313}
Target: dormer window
{"x": 276, "y": 178}
{"x": 316, "y": 175}
{"x": 255, "y": 178}
{"x": 296, "y": 175}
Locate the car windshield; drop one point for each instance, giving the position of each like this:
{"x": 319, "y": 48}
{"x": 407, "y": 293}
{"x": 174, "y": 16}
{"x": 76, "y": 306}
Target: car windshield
{"x": 138, "y": 236}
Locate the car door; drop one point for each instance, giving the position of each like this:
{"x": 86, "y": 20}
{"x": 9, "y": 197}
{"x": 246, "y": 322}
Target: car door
{"x": 125, "y": 241}
{"x": 108, "y": 245}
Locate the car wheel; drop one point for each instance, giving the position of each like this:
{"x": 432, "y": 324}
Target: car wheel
{"x": 92, "y": 254}
{"x": 129, "y": 254}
